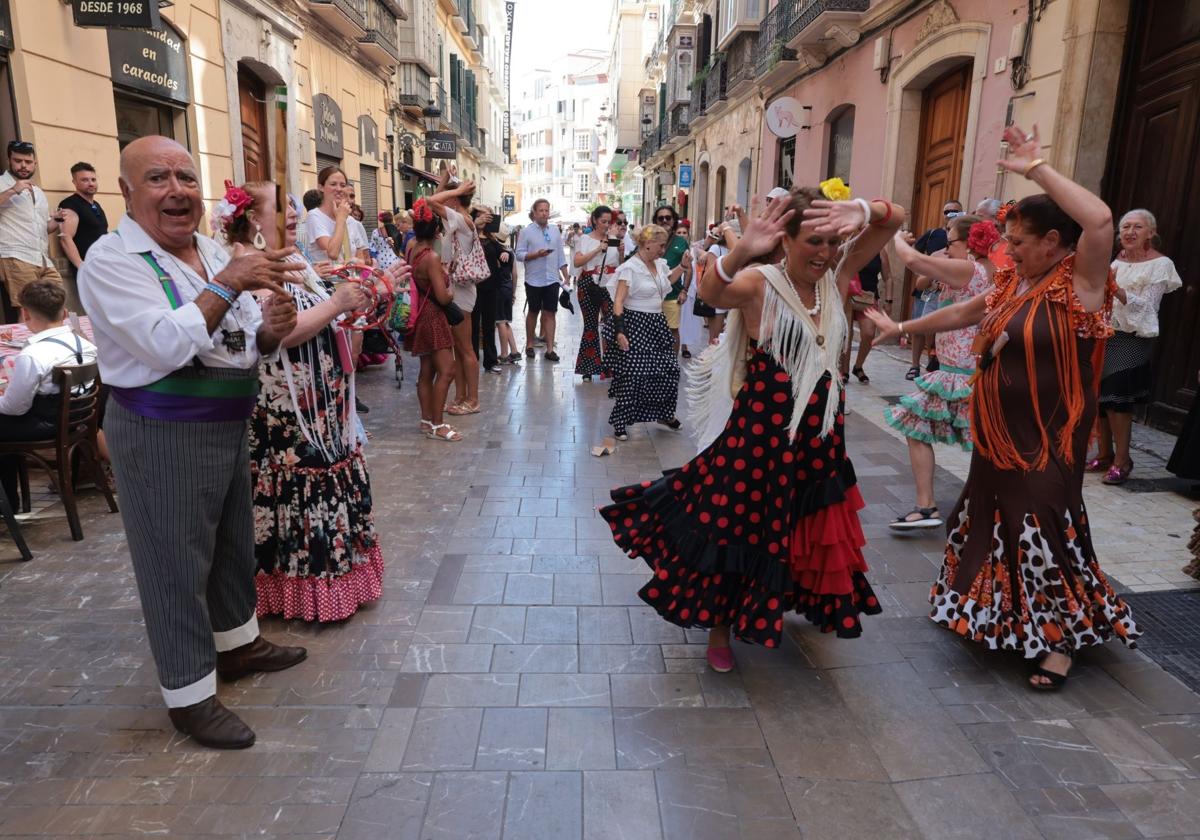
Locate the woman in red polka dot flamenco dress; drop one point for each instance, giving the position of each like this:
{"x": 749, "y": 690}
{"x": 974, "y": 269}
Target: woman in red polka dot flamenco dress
{"x": 765, "y": 520}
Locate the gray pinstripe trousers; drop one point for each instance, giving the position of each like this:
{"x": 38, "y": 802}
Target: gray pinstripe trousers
{"x": 189, "y": 519}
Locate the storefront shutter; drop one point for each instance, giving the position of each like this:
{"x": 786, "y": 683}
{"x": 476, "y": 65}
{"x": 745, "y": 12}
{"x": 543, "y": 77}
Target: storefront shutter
{"x": 368, "y": 196}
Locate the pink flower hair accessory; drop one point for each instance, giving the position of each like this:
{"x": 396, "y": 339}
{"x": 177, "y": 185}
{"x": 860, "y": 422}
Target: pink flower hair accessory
{"x": 982, "y": 236}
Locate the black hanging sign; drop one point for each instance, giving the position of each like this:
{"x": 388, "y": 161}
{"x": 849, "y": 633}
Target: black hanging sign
{"x": 152, "y": 61}
{"x": 116, "y": 14}
{"x": 327, "y": 125}
{"x": 442, "y": 145}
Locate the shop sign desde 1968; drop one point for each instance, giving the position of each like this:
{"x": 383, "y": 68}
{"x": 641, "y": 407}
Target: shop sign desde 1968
{"x": 151, "y": 61}
{"x": 116, "y": 14}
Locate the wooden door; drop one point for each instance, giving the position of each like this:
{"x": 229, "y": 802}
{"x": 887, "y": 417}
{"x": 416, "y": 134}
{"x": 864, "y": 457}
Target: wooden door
{"x": 252, "y": 105}
{"x": 1152, "y": 164}
{"x": 940, "y": 150}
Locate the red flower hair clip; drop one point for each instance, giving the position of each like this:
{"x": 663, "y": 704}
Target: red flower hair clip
{"x": 421, "y": 211}
{"x": 1002, "y": 213}
{"x": 237, "y": 199}
{"x": 982, "y": 236}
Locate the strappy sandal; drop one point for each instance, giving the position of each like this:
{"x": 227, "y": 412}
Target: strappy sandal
{"x": 435, "y": 433}
{"x": 461, "y": 409}
{"x": 425, "y": 423}
{"x": 1056, "y": 681}
{"x": 1117, "y": 475}
{"x": 861, "y": 375}
{"x": 926, "y": 518}
{"x": 913, "y": 373}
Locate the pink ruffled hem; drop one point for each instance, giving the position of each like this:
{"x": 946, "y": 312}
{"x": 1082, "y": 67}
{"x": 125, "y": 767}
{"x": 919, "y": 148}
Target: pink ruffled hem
{"x": 320, "y": 599}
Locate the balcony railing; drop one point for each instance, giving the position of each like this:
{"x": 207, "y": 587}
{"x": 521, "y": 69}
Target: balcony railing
{"x": 466, "y": 11}
{"x": 715, "y": 83}
{"x": 650, "y": 145}
{"x": 740, "y": 60}
{"x": 380, "y": 41}
{"x": 679, "y": 121}
{"x": 438, "y": 95}
{"x": 789, "y": 18}
{"x": 349, "y": 17}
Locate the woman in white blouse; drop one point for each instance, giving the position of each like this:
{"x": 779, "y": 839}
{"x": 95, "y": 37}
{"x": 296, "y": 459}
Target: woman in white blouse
{"x": 1143, "y": 276}
{"x": 646, "y": 381}
{"x": 594, "y": 255}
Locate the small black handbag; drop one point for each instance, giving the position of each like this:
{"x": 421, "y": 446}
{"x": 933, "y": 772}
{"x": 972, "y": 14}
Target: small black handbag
{"x": 454, "y": 315}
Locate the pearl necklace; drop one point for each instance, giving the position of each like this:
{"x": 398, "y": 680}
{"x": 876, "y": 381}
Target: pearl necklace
{"x": 816, "y": 307}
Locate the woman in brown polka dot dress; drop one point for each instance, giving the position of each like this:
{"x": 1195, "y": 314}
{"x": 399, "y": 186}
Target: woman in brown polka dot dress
{"x": 765, "y": 520}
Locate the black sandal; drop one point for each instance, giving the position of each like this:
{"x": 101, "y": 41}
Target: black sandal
{"x": 913, "y": 373}
{"x": 686, "y": 353}
{"x": 861, "y": 375}
{"x": 1057, "y": 681}
{"x": 929, "y": 518}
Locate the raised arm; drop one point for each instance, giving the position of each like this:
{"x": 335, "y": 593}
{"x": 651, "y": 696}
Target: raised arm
{"x": 1093, "y": 215}
{"x": 953, "y": 273}
{"x": 759, "y": 238}
{"x": 440, "y": 200}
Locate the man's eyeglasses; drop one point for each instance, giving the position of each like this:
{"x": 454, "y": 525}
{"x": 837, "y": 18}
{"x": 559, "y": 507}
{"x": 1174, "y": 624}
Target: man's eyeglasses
{"x": 21, "y": 147}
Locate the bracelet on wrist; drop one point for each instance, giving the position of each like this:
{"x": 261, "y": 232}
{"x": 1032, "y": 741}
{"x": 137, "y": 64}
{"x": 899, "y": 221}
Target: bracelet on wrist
{"x": 866, "y": 209}
{"x": 1034, "y": 164}
{"x": 720, "y": 264}
{"x": 220, "y": 291}
{"x": 886, "y": 216}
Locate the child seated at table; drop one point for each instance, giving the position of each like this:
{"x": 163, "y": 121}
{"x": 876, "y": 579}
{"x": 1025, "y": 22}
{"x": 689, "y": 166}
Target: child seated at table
{"x": 29, "y": 402}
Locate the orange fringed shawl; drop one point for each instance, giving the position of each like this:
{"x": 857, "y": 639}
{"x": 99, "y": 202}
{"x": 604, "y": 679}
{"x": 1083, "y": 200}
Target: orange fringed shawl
{"x": 1068, "y": 320}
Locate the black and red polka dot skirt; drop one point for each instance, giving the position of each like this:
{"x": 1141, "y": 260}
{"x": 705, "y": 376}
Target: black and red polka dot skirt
{"x": 756, "y": 525}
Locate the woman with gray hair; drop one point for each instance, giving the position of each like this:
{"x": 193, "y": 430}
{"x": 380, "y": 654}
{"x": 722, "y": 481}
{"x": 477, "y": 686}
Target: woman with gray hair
{"x": 1143, "y": 276}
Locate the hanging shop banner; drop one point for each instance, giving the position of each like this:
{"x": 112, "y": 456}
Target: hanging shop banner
{"x": 441, "y": 145}
{"x": 116, "y": 14}
{"x": 506, "y": 141}
{"x": 685, "y": 174}
{"x": 152, "y": 61}
{"x": 327, "y": 126}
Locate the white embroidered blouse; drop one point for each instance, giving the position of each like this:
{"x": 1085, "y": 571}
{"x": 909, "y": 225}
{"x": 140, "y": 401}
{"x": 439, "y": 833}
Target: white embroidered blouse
{"x": 1144, "y": 283}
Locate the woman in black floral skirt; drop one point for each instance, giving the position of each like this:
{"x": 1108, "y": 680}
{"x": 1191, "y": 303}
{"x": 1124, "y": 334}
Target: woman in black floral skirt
{"x": 765, "y": 519}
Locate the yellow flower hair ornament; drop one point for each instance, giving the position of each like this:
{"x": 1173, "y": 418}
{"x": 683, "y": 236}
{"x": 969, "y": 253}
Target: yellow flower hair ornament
{"x": 835, "y": 189}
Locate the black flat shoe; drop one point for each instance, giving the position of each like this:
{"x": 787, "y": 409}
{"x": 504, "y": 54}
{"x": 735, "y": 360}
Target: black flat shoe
{"x": 861, "y": 375}
{"x": 687, "y": 354}
{"x": 673, "y": 424}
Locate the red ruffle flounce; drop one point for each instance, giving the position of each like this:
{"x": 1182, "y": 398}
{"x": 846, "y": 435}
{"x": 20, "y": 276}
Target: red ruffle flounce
{"x": 321, "y": 599}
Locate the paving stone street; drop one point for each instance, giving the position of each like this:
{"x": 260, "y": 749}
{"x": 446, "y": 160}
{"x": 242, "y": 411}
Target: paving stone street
{"x": 511, "y": 685}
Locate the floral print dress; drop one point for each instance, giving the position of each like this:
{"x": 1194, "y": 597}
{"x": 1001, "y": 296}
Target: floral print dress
{"x": 315, "y": 542}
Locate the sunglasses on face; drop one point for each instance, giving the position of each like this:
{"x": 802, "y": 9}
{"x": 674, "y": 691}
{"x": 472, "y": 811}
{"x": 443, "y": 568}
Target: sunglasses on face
{"x": 950, "y": 214}
{"x": 21, "y": 147}
{"x": 664, "y": 219}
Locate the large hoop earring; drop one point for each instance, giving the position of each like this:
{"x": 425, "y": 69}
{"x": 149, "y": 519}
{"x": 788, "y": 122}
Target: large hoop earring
{"x": 259, "y": 242}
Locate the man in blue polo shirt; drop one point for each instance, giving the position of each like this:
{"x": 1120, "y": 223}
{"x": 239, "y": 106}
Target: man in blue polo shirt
{"x": 540, "y": 248}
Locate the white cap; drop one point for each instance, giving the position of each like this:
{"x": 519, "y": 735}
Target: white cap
{"x": 778, "y": 192}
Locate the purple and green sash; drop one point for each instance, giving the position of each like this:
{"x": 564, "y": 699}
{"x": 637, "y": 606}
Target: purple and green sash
{"x": 194, "y": 394}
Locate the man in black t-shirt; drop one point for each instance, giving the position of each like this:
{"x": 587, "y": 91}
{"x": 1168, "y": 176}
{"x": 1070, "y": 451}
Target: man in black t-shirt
{"x": 89, "y": 222}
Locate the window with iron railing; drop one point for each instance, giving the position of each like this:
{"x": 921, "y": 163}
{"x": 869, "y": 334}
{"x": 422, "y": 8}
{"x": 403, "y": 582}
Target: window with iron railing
{"x": 414, "y": 85}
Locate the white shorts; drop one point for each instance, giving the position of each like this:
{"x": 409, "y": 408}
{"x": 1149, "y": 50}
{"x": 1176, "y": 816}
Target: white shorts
{"x": 465, "y": 296}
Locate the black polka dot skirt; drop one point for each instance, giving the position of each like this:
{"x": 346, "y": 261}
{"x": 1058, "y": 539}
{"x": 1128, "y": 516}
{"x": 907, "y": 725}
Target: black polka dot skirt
{"x": 645, "y": 386}
{"x": 756, "y": 525}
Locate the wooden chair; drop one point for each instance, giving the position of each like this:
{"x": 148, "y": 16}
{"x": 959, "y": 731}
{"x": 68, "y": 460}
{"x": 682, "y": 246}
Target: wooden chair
{"x": 78, "y": 427}
{"x": 14, "y": 530}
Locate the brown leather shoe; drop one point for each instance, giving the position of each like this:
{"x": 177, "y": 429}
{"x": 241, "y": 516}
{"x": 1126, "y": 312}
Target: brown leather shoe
{"x": 259, "y": 655}
{"x": 211, "y": 724}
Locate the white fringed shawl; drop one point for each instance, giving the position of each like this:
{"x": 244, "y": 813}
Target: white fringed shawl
{"x": 788, "y": 333}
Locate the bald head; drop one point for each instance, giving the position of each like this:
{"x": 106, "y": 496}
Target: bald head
{"x": 162, "y": 190}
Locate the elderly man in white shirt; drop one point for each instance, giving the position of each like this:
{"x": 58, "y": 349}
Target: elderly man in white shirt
{"x": 179, "y": 338}
{"x": 25, "y": 223}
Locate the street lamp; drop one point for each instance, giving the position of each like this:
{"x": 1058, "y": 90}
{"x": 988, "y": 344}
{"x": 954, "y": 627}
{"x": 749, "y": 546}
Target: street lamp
{"x": 432, "y": 114}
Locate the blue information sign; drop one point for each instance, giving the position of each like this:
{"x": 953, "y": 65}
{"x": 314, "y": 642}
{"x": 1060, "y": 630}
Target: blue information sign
{"x": 685, "y": 174}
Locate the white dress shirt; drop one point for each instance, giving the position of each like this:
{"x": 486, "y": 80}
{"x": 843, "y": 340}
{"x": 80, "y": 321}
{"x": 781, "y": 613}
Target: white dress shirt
{"x": 140, "y": 337}
{"x": 23, "y": 222}
{"x": 33, "y": 369}
{"x": 544, "y": 271}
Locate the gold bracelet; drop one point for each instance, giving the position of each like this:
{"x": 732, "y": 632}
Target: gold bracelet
{"x": 900, "y": 327}
{"x": 1034, "y": 164}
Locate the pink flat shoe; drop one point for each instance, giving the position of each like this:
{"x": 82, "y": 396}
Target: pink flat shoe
{"x": 1098, "y": 465}
{"x": 1117, "y": 475}
{"x": 720, "y": 659}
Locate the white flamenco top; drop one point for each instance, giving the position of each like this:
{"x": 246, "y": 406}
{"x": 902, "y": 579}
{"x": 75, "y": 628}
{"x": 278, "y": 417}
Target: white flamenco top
{"x": 1144, "y": 283}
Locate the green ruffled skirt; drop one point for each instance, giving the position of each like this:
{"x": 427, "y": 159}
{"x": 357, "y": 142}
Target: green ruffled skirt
{"x": 938, "y": 411}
